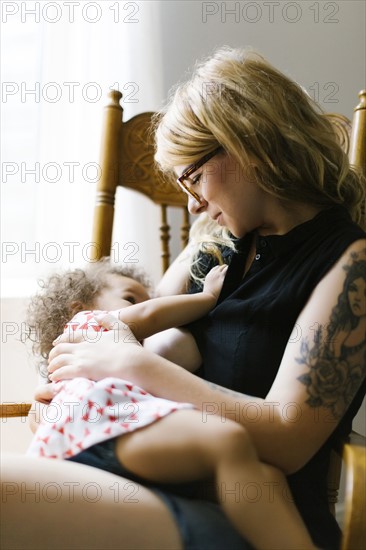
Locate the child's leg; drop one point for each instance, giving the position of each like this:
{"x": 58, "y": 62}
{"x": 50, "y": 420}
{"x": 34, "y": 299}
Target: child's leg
{"x": 182, "y": 447}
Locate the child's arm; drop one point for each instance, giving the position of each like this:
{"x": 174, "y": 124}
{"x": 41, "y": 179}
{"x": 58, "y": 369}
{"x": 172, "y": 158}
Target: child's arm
{"x": 159, "y": 314}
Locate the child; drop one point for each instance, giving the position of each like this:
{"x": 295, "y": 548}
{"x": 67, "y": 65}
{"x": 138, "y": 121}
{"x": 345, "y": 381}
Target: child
{"x": 117, "y": 426}
{"x": 112, "y": 406}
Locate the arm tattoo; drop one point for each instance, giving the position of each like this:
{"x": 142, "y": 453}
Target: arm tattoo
{"x": 337, "y": 358}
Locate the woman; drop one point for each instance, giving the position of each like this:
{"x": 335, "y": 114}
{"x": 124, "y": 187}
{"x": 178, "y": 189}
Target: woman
{"x": 252, "y": 151}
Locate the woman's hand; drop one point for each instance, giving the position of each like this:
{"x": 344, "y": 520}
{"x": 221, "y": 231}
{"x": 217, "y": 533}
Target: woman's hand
{"x": 93, "y": 355}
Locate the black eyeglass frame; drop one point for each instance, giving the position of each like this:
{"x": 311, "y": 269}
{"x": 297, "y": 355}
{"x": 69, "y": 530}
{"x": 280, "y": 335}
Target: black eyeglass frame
{"x": 191, "y": 169}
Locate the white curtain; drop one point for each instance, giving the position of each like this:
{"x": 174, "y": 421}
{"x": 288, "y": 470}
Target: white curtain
{"x": 59, "y": 60}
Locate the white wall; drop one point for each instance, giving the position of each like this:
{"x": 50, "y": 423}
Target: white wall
{"x": 323, "y": 48}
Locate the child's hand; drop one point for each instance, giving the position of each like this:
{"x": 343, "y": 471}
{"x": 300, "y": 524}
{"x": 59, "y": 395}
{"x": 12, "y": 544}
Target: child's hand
{"x": 44, "y": 393}
{"x": 214, "y": 280}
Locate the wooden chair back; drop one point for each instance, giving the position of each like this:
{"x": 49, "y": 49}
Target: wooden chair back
{"x": 127, "y": 159}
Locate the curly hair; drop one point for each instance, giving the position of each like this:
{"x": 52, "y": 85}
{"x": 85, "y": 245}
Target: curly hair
{"x": 65, "y": 294}
{"x": 262, "y": 118}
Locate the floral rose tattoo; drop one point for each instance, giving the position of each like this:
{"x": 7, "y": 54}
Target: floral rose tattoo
{"x": 337, "y": 359}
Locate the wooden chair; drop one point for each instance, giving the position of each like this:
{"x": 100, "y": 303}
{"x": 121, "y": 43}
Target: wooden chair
{"x": 127, "y": 160}
{"x": 354, "y": 530}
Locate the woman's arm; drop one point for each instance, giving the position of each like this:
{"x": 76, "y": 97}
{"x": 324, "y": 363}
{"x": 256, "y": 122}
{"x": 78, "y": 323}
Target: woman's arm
{"x": 296, "y": 417}
{"x": 315, "y": 383}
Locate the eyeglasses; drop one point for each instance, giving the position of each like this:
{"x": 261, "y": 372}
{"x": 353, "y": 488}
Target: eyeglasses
{"x": 191, "y": 169}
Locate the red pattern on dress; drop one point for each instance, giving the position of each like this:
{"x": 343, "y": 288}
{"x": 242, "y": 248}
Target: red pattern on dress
{"x": 110, "y": 407}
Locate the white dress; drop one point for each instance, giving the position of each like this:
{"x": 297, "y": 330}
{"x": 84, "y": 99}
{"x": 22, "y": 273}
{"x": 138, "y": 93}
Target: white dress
{"x": 85, "y": 412}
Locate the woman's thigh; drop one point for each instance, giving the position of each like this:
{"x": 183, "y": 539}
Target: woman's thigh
{"x": 57, "y": 504}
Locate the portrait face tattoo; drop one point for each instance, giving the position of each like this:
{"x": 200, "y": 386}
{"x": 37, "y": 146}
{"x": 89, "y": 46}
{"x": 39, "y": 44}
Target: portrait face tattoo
{"x": 336, "y": 361}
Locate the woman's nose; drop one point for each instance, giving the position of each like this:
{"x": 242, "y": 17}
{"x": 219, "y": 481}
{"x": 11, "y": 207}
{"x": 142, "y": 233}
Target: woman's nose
{"x": 195, "y": 207}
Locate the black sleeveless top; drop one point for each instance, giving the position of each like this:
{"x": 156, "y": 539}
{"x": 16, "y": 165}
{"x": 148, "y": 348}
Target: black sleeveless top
{"x": 242, "y": 340}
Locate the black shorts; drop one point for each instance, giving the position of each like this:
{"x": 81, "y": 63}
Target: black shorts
{"x": 202, "y": 524}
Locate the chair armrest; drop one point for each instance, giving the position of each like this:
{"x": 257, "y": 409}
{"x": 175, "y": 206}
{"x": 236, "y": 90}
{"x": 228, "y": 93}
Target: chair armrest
{"x": 8, "y": 410}
{"x": 354, "y": 456}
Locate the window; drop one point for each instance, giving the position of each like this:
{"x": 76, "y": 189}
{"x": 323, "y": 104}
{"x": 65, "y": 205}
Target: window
{"x": 57, "y": 67}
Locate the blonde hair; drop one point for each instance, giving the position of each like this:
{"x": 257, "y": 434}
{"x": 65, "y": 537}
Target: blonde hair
{"x": 262, "y": 118}
{"x": 207, "y": 237}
